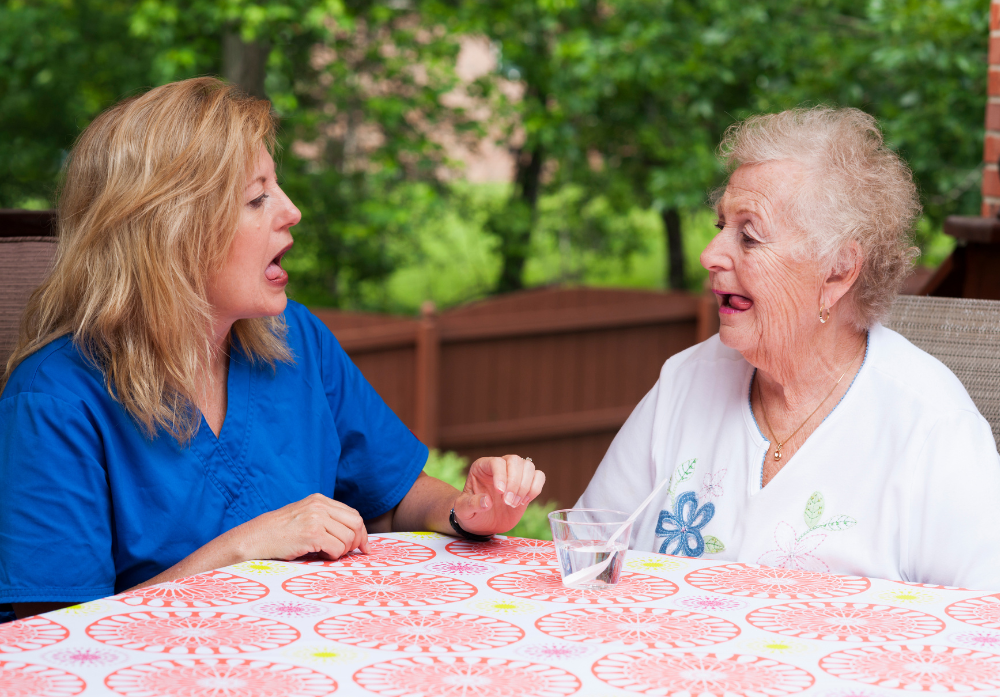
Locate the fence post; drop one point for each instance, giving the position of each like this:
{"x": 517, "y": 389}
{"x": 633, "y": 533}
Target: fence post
{"x": 427, "y": 384}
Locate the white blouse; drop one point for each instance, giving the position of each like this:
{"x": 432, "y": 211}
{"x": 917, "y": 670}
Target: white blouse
{"x": 901, "y": 481}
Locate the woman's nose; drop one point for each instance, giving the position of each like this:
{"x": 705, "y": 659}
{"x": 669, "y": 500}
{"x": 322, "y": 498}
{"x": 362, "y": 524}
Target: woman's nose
{"x": 716, "y": 255}
{"x": 291, "y": 215}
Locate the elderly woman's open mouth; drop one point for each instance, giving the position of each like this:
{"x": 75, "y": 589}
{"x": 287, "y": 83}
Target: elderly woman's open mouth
{"x": 733, "y": 303}
{"x": 274, "y": 272}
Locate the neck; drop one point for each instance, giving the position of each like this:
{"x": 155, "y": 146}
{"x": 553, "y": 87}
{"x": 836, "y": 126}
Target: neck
{"x": 799, "y": 372}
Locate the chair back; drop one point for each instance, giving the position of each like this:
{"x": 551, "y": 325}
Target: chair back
{"x": 963, "y": 334}
{"x": 27, "y": 251}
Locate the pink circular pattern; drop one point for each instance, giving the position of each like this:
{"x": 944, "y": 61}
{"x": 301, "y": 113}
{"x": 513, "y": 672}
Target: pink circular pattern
{"x": 30, "y": 634}
{"x": 460, "y": 568}
{"x": 838, "y": 621}
{"x": 452, "y": 676}
{"x": 191, "y": 632}
{"x": 385, "y": 551}
{"x": 659, "y": 627}
{"x": 546, "y": 585}
{"x": 219, "y": 677}
{"x": 419, "y": 631}
{"x": 19, "y": 679}
{"x": 379, "y": 588}
{"x": 212, "y": 589}
{"x": 652, "y": 670}
{"x": 86, "y": 656}
{"x": 981, "y": 612}
{"x": 289, "y": 609}
{"x": 926, "y": 668}
{"x": 710, "y": 603}
{"x": 516, "y": 551}
{"x": 753, "y": 581}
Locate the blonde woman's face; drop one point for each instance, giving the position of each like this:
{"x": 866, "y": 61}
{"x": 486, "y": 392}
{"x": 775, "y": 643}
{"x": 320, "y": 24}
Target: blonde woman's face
{"x": 252, "y": 282}
{"x": 768, "y": 292}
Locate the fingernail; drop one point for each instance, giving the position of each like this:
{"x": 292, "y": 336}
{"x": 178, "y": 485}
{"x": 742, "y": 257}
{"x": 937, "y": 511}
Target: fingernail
{"x": 484, "y": 502}
{"x": 502, "y": 485}
{"x": 508, "y": 498}
{"x": 517, "y": 501}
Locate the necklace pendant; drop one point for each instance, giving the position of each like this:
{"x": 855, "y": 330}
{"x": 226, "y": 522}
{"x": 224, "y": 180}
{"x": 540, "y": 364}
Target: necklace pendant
{"x": 777, "y": 453}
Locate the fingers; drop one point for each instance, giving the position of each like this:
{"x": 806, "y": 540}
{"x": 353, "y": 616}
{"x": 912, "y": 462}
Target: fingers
{"x": 495, "y": 467}
{"x": 537, "y": 482}
{"x": 338, "y": 528}
{"x": 520, "y": 477}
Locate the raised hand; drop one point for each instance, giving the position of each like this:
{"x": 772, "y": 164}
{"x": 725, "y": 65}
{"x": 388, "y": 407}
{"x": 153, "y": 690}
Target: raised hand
{"x": 496, "y": 492}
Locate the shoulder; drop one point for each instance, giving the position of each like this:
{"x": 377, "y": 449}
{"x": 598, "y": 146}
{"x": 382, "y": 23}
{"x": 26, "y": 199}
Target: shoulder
{"x": 58, "y": 369}
{"x": 908, "y": 375}
{"x": 710, "y": 361}
{"x": 307, "y": 335}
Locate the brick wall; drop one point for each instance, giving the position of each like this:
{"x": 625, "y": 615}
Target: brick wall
{"x": 991, "y": 151}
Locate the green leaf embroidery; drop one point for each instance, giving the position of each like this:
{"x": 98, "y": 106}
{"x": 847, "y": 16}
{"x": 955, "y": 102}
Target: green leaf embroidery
{"x": 814, "y": 510}
{"x": 713, "y": 545}
{"x": 838, "y": 523}
{"x": 686, "y": 469}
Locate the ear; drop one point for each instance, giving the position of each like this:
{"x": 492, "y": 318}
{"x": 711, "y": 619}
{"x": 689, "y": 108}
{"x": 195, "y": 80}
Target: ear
{"x": 840, "y": 279}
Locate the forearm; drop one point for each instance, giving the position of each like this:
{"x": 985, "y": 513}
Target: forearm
{"x": 425, "y": 507}
{"x": 228, "y": 548}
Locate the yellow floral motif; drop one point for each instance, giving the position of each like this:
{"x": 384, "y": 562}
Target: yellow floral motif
{"x": 907, "y": 596}
{"x": 777, "y": 646}
{"x": 90, "y": 608}
{"x": 422, "y": 535}
{"x": 505, "y": 606}
{"x": 324, "y": 654}
{"x": 657, "y": 563}
{"x": 258, "y": 566}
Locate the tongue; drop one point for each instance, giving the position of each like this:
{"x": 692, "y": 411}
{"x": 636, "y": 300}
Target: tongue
{"x": 738, "y": 302}
{"x": 273, "y": 272}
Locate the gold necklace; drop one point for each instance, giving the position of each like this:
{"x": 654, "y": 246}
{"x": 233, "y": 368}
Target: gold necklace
{"x": 760, "y": 394}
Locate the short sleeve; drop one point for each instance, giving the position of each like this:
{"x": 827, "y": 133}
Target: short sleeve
{"x": 952, "y": 529}
{"x": 627, "y": 473}
{"x": 380, "y": 457}
{"x": 55, "y": 504}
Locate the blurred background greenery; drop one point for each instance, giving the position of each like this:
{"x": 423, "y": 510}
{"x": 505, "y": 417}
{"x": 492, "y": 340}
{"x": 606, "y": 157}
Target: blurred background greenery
{"x": 608, "y": 112}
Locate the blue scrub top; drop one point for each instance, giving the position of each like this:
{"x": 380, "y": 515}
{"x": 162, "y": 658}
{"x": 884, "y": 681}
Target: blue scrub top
{"x": 89, "y": 506}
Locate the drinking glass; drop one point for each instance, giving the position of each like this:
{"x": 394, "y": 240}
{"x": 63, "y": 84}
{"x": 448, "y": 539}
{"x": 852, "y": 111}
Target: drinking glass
{"x": 580, "y": 536}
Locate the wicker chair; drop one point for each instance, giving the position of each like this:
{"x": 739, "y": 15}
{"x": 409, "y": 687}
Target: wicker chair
{"x": 965, "y": 336}
{"x": 24, "y": 263}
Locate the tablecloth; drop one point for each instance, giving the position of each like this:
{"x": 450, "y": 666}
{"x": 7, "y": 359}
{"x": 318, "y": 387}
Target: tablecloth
{"x": 426, "y": 614}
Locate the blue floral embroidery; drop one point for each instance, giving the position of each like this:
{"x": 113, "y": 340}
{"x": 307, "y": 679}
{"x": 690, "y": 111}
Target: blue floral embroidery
{"x": 682, "y": 528}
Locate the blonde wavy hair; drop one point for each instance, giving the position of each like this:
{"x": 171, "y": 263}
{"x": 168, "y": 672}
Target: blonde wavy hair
{"x": 150, "y": 204}
{"x": 855, "y": 189}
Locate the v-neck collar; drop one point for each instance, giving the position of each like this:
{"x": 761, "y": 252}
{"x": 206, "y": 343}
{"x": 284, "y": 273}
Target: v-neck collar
{"x": 225, "y": 457}
{"x": 757, "y": 435}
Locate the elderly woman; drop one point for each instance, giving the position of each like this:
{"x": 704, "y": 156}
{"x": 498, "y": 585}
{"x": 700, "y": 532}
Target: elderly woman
{"x": 167, "y": 410}
{"x": 806, "y": 435}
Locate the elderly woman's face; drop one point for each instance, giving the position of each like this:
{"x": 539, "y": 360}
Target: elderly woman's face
{"x": 252, "y": 282}
{"x": 767, "y": 293}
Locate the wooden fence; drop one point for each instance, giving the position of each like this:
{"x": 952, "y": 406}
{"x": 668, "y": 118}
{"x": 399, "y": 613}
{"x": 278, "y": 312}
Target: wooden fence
{"x": 551, "y": 374}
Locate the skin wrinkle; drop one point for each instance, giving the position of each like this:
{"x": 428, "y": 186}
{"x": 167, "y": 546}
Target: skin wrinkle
{"x": 798, "y": 359}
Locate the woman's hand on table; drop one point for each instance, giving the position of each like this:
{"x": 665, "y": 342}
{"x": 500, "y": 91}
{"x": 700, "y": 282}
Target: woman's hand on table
{"x": 496, "y": 492}
{"x": 315, "y": 525}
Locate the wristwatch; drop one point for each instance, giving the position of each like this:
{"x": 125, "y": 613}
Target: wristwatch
{"x": 465, "y": 533}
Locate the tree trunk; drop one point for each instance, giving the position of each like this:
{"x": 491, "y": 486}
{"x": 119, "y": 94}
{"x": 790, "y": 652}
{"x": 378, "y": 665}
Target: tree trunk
{"x": 515, "y": 230}
{"x": 675, "y": 249}
{"x": 244, "y": 63}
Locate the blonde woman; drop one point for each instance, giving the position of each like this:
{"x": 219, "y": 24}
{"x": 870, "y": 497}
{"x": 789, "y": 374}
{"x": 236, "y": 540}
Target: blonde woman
{"x": 167, "y": 410}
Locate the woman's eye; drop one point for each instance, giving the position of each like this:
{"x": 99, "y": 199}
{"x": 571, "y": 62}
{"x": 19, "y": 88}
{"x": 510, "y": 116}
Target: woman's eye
{"x": 746, "y": 239}
{"x": 720, "y": 225}
{"x": 258, "y": 202}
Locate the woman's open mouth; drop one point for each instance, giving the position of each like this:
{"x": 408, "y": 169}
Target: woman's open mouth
{"x": 732, "y": 303}
{"x": 274, "y": 273}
